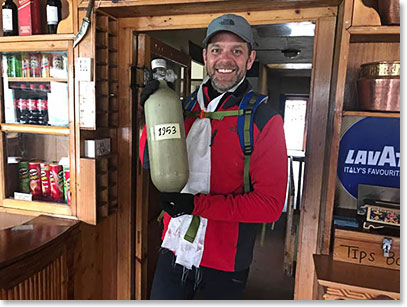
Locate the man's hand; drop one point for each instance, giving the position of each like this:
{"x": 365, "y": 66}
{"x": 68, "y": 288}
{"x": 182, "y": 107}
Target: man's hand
{"x": 177, "y": 204}
{"x": 148, "y": 90}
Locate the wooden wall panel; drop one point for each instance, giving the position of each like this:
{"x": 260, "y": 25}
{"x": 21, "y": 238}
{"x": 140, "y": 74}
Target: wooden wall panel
{"x": 335, "y": 119}
{"x": 176, "y": 7}
{"x": 305, "y": 282}
{"x": 194, "y": 21}
{"x": 95, "y": 274}
{"x": 50, "y": 283}
{"x": 125, "y": 216}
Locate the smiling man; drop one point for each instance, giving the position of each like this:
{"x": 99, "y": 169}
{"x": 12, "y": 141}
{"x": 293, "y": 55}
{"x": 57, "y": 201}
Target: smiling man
{"x": 238, "y": 174}
{"x": 227, "y": 59}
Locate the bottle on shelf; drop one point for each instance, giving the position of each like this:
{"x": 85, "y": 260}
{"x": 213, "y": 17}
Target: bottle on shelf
{"x": 22, "y": 106}
{"x": 10, "y": 21}
{"x": 35, "y": 65}
{"x": 45, "y": 65}
{"x": 42, "y": 107}
{"x": 32, "y": 106}
{"x": 25, "y": 65}
{"x": 53, "y": 15}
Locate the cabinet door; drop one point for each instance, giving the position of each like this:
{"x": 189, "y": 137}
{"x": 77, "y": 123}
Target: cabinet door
{"x": 36, "y": 143}
{"x": 148, "y": 230}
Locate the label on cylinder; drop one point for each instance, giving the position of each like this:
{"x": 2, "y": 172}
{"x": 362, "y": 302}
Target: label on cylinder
{"x": 166, "y": 131}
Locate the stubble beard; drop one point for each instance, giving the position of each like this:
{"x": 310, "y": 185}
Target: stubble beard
{"x": 217, "y": 85}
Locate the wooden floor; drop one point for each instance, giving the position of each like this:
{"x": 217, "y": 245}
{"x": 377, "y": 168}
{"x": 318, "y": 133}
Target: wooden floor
{"x": 267, "y": 280}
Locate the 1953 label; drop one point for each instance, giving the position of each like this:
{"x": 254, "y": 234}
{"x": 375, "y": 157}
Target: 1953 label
{"x": 167, "y": 131}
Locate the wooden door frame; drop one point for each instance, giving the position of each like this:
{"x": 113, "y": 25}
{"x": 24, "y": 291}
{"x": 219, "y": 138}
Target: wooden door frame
{"x": 309, "y": 234}
{"x": 147, "y": 197}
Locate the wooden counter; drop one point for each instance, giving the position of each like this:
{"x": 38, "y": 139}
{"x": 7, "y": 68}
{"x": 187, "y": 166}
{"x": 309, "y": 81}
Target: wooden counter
{"x": 350, "y": 281}
{"x": 35, "y": 259}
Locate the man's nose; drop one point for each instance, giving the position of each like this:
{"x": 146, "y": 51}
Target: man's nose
{"x": 227, "y": 55}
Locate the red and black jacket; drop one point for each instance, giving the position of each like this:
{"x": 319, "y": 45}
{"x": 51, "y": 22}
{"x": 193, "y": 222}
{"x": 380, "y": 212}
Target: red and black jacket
{"x": 233, "y": 215}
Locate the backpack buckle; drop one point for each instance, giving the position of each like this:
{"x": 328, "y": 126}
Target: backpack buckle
{"x": 248, "y": 149}
{"x": 247, "y": 111}
{"x": 202, "y": 114}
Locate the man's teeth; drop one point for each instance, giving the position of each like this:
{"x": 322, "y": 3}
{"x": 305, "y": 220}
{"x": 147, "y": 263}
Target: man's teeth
{"x": 225, "y": 71}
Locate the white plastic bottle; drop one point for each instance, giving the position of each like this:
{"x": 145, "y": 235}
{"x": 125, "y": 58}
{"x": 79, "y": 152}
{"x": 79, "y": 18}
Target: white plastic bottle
{"x": 166, "y": 133}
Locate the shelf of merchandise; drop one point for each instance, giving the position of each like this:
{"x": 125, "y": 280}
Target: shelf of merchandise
{"x": 371, "y": 114}
{"x": 35, "y": 129}
{"x": 32, "y": 79}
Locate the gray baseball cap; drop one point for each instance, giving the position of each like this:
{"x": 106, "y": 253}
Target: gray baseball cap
{"x": 232, "y": 23}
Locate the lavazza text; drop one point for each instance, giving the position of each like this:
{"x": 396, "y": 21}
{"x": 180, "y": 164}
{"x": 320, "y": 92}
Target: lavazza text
{"x": 372, "y": 162}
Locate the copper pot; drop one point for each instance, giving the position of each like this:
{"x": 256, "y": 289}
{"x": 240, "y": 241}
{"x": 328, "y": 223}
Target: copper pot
{"x": 379, "y": 86}
{"x": 389, "y": 11}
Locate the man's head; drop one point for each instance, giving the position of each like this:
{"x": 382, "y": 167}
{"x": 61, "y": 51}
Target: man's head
{"x": 228, "y": 52}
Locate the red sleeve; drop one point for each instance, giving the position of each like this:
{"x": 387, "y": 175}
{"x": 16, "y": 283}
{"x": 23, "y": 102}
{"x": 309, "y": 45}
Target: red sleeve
{"x": 268, "y": 172}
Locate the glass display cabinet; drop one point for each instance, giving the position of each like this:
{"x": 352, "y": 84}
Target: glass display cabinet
{"x": 37, "y": 140}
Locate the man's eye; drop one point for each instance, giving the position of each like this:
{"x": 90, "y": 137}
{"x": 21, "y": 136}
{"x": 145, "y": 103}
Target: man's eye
{"x": 237, "y": 51}
{"x": 215, "y": 50}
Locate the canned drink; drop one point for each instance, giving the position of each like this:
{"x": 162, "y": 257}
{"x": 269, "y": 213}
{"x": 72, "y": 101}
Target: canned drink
{"x": 45, "y": 184}
{"x": 56, "y": 178}
{"x": 35, "y": 64}
{"x": 45, "y": 65}
{"x": 34, "y": 169}
{"x": 14, "y": 66}
{"x": 25, "y": 65}
{"x": 23, "y": 177}
{"x": 67, "y": 185}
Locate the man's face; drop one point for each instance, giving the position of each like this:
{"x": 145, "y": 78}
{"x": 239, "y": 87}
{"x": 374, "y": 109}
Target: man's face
{"x": 227, "y": 60}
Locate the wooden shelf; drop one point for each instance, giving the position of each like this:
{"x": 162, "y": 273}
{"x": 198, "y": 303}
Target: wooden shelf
{"x": 43, "y": 206}
{"x": 35, "y": 129}
{"x": 357, "y": 278}
{"x": 32, "y": 79}
{"x": 371, "y": 114}
{"x": 374, "y": 34}
{"x": 36, "y": 38}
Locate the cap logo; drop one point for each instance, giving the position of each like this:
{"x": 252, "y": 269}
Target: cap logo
{"x": 227, "y": 22}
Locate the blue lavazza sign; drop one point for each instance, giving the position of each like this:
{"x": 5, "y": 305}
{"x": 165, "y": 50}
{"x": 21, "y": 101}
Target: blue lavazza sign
{"x": 369, "y": 153}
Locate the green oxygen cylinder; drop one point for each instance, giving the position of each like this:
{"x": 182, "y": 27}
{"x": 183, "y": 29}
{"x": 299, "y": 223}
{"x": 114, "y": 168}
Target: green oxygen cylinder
{"x": 166, "y": 133}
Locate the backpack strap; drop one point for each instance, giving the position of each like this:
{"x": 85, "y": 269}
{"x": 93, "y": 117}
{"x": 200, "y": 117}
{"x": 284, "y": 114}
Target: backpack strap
{"x": 249, "y": 104}
{"x": 191, "y": 101}
{"x": 245, "y": 114}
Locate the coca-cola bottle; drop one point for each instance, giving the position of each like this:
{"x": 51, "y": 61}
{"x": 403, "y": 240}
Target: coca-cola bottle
{"x": 32, "y": 110}
{"x": 42, "y": 106}
{"x": 22, "y": 106}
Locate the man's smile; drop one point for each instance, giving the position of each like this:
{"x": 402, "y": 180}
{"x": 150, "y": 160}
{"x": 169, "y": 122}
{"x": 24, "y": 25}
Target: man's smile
{"x": 225, "y": 70}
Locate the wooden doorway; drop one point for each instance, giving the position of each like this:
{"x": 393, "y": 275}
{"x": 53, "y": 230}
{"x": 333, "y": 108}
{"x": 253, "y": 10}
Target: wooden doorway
{"x": 147, "y": 228}
{"x": 324, "y": 18}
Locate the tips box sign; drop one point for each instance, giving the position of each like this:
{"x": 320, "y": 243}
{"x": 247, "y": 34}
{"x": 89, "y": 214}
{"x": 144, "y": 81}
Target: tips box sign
{"x": 369, "y": 153}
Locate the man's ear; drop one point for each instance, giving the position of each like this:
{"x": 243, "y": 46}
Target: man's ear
{"x": 251, "y": 59}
